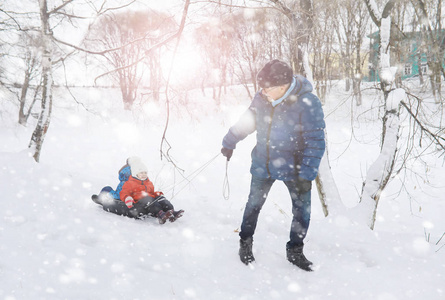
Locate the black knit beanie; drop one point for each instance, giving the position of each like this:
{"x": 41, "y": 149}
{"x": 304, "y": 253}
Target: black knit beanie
{"x": 274, "y": 73}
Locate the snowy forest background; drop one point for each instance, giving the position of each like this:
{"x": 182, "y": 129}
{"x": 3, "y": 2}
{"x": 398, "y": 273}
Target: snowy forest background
{"x": 84, "y": 84}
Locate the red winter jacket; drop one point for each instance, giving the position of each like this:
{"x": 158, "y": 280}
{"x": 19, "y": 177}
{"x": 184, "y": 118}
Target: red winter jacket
{"x": 138, "y": 189}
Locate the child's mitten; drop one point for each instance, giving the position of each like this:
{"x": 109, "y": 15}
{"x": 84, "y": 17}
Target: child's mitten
{"x": 129, "y": 201}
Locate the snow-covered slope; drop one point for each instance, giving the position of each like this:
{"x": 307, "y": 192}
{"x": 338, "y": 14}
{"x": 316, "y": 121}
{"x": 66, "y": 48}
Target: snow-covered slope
{"x": 55, "y": 243}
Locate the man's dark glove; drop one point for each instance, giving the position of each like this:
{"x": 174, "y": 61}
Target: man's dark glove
{"x": 303, "y": 185}
{"x": 227, "y": 152}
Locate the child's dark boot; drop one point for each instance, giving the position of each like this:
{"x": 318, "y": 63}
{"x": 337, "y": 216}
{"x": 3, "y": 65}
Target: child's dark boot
{"x": 176, "y": 215}
{"x": 163, "y": 216}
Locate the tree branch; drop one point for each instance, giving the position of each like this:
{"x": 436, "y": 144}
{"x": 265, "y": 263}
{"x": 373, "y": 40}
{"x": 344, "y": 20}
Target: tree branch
{"x": 56, "y": 9}
{"x": 376, "y": 19}
{"x": 286, "y": 10}
{"x": 102, "y": 11}
{"x": 434, "y": 136}
{"x": 98, "y": 52}
{"x": 173, "y": 36}
{"x": 388, "y": 7}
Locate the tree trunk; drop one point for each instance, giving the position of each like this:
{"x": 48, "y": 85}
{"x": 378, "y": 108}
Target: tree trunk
{"x": 155, "y": 75}
{"x": 24, "y": 92}
{"x": 436, "y": 81}
{"x": 44, "y": 120}
{"x": 378, "y": 175}
{"x": 348, "y": 64}
{"x": 126, "y": 96}
{"x": 419, "y": 66}
{"x": 380, "y": 171}
{"x": 203, "y": 90}
{"x": 347, "y": 83}
{"x": 358, "y": 76}
{"x": 327, "y": 189}
{"x": 357, "y": 91}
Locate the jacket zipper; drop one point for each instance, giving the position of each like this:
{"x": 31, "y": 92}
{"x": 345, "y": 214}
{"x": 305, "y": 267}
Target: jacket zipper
{"x": 145, "y": 187}
{"x": 142, "y": 183}
{"x": 268, "y": 141}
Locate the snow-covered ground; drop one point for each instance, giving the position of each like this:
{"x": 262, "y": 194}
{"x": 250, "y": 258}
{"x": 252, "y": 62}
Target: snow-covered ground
{"x": 55, "y": 243}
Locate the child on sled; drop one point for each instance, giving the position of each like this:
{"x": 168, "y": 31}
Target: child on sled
{"x": 135, "y": 196}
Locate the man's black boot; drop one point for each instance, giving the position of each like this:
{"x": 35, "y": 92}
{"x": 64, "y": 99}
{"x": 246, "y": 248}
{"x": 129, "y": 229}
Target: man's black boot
{"x": 295, "y": 256}
{"x": 245, "y": 250}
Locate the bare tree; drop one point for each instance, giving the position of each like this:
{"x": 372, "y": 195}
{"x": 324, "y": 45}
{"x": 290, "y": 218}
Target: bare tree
{"x": 255, "y": 33}
{"x": 30, "y": 44}
{"x": 352, "y": 21}
{"x": 131, "y": 33}
{"x": 289, "y": 42}
{"x": 38, "y": 136}
{"x": 51, "y": 20}
{"x": 322, "y": 46}
{"x": 21, "y": 49}
{"x": 216, "y": 38}
{"x": 434, "y": 43}
{"x": 300, "y": 16}
{"x": 379, "y": 173}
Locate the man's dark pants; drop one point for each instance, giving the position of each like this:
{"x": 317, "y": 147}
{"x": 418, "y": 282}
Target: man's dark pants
{"x": 301, "y": 209}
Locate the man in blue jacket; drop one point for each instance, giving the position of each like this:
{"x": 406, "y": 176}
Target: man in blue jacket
{"x": 289, "y": 124}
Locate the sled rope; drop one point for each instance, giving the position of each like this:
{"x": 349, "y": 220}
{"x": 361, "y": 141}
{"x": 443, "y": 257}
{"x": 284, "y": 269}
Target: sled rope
{"x": 226, "y": 186}
{"x": 191, "y": 177}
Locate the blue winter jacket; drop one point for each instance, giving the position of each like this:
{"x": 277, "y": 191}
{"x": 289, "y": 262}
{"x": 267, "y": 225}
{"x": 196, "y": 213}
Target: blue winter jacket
{"x": 290, "y": 135}
{"x": 124, "y": 174}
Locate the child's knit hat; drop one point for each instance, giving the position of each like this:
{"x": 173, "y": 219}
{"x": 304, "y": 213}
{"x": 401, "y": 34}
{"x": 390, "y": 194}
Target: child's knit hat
{"x": 136, "y": 165}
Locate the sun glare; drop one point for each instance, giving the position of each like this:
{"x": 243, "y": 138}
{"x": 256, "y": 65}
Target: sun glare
{"x": 183, "y": 65}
